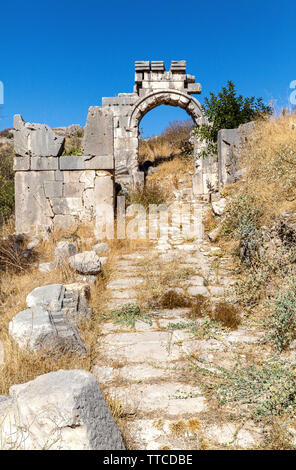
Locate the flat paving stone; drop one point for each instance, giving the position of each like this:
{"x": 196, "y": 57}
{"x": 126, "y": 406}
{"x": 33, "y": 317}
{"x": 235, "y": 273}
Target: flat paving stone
{"x": 105, "y": 374}
{"x": 172, "y": 398}
{"x": 124, "y": 294}
{"x": 111, "y": 327}
{"x": 154, "y": 434}
{"x": 196, "y": 281}
{"x": 123, "y": 283}
{"x": 147, "y": 346}
{"x": 198, "y": 290}
{"x": 225, "y": 434}
{"x": 216, "y": 291}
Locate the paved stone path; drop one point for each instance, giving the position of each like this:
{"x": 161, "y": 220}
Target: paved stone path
{"x": 146, "y": 369}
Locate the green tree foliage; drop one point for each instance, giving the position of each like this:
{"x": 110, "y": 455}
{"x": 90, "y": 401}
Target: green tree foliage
{"x": 6, "y": 182}
{"x": 228, "y": 110}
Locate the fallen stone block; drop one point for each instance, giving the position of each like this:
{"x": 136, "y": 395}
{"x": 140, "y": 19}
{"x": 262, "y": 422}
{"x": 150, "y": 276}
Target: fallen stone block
{"x": 219, "y": 206}
{"x": 62, "y": 410}
{"x": 86, "y": 262}
{"x": 51, "y": 321}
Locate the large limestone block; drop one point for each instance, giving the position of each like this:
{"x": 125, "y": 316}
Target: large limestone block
{"x": 51, "y": 321}
{"x": 30, "y": 327}
{"x": 98, "y": 133}
{"x": 81, "y": 162}
{"x": 32, "y": 210}
{"x": 62, "y": 410}
{"x": 36, "y": 140}
{"x": 50, "y": 296}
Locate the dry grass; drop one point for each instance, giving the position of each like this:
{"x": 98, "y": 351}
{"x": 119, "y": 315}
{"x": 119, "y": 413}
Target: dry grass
{"x": 222, "y": 312}
{"x": 154, "y": 149}
{"x": 15, "y": 284}
{"x": 173, "y": 174}
{"x": 152, "y": 193}
{"x": 227, "y": 315}
{"x": 269, "y": 155}
{"x": 173, "y": 141}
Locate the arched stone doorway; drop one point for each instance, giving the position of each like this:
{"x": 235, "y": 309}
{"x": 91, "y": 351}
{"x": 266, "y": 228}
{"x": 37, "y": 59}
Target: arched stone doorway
{"x": 114, "y": 127}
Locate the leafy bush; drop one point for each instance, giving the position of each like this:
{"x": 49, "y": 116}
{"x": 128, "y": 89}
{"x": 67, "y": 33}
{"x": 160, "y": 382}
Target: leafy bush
{"x": 282, "y": 323}
{"x": 6, "y": 182}
{"x": 263, "y": 391}
{"x": 227, "y": 110}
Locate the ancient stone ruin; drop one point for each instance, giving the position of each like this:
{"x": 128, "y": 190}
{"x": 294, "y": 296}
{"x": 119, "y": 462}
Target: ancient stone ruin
{"x": 58, "y": 192}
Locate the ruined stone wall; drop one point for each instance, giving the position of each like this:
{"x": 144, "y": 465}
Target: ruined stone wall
{"x": 55, "y": 192}
{"x": 229, "y": 145}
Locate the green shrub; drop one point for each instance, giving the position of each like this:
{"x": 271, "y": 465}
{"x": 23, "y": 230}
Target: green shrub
{"x": 282, "y": 323}
{"x": 227, "y": 110}
{"x": 6, "y": 182}
{"x": 263, "y": 391}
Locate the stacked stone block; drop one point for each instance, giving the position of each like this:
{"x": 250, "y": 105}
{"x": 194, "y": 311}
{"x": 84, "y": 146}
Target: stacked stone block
{"x": 57, "y": 192}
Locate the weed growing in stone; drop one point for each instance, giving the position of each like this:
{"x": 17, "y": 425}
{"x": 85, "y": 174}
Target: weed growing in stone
{"x": 128, "y": 314}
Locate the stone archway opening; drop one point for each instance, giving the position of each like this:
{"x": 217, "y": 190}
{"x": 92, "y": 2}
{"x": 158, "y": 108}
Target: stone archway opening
{"x": 165, "y": 134}
{"x": 158, "y": 98}
{"x": 113, "y": 128}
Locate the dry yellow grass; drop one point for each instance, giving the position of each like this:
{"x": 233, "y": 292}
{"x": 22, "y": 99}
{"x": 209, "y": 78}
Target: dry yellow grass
{"x": 173, "y": 174}
{"x": 154, "y": 149}
{"x": 269, "y": 155}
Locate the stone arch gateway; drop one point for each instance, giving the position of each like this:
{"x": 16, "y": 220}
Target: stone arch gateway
{"x": 154, "y": 86}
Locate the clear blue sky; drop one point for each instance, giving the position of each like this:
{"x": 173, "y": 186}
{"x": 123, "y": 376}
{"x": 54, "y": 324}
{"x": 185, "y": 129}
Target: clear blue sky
{"x": 60, "y": 57}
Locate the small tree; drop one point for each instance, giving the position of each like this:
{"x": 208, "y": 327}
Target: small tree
{"x": 227, "y": 110}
